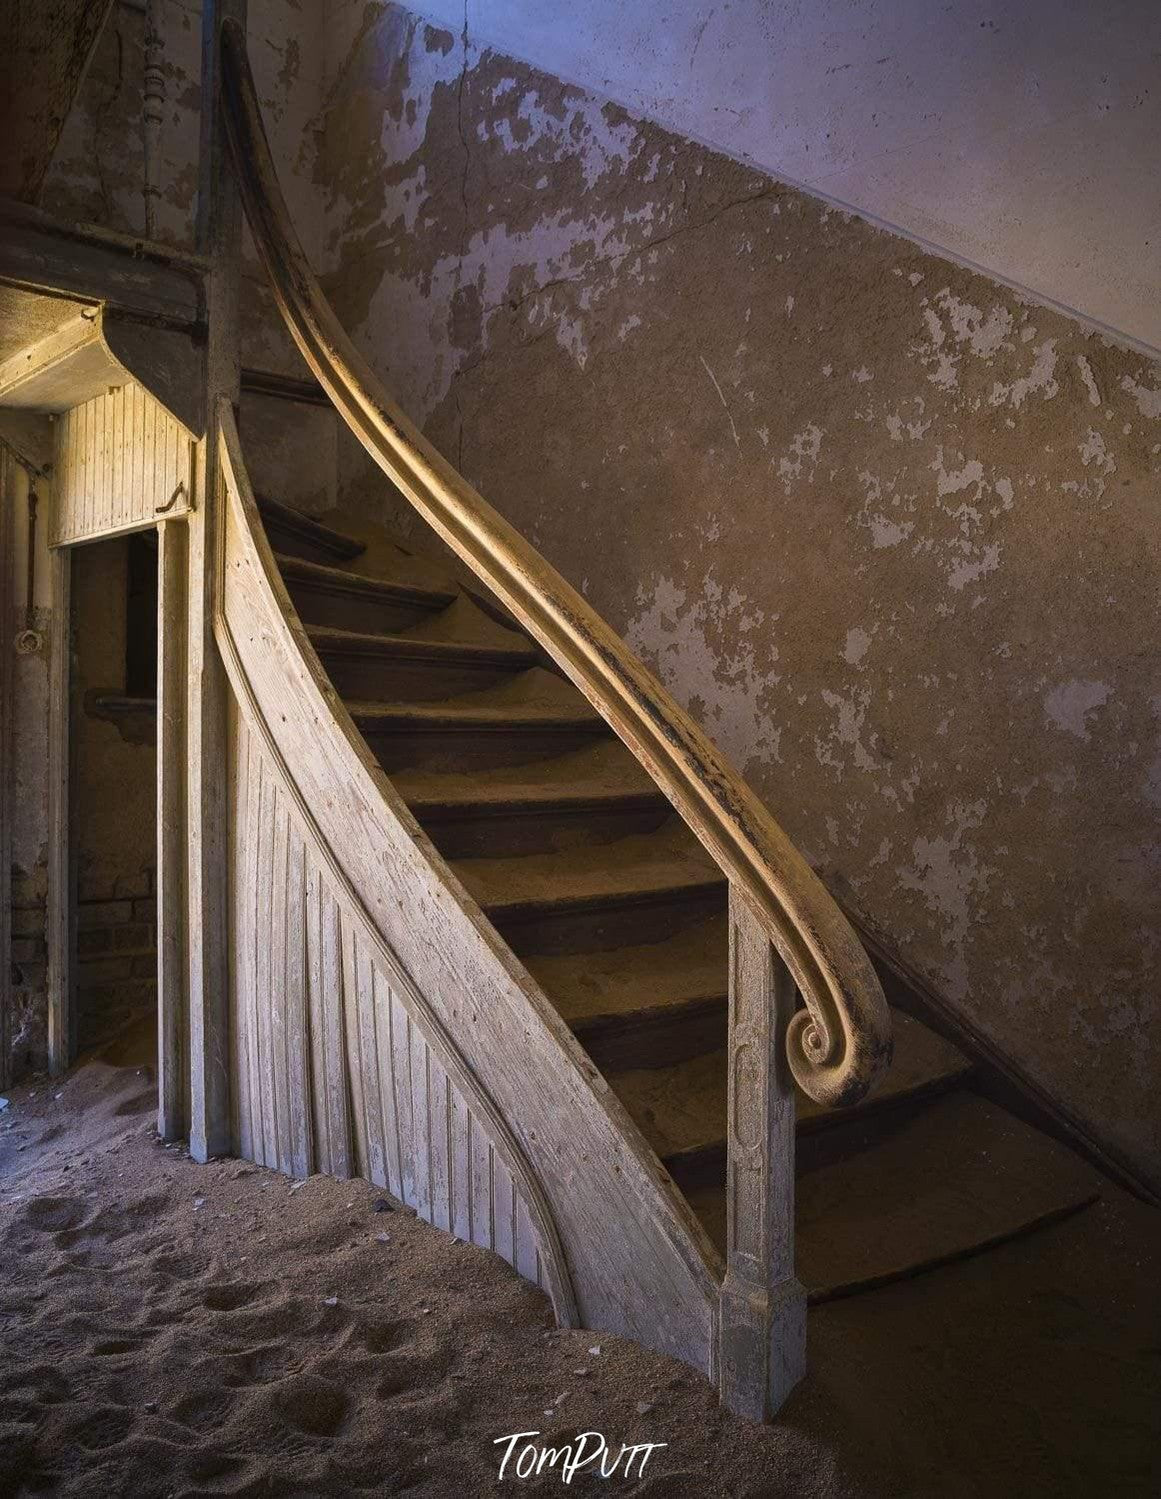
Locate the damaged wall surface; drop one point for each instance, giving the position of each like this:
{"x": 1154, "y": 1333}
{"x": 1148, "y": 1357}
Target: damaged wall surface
{"x": 888, "y": 529}
{"x": 1020, "y": 138}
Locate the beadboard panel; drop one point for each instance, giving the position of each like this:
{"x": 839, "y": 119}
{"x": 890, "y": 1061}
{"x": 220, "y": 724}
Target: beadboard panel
{"x": 120, "y": 461}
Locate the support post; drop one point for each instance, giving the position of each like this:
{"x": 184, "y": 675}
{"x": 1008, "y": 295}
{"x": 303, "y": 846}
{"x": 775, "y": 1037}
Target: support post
{"x": 61, "y": 903}
{"x": 172, "y": 1009}
{"x": 762, "y": 1347}
{"x": 220, "y": 237}
{"x": 7, "y": 565}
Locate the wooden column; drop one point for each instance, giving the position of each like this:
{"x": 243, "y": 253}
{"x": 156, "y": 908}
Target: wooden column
{"x": 172, "y": 657}
{"x": 762, "y": 1348}
{"x": 220, "y": 237}
{"x": 7, "y": 788}
{"x": 58, "y": 929}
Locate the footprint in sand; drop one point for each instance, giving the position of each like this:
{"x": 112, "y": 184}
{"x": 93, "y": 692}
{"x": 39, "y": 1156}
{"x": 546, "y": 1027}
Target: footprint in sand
{"x": 103, "y": 1426}
{"x": 311, "y": 1405}
{"x": 229, "y": 1295}
{"x": 254, "y": 1366}
{"x": 55, "y": 1215}
{"x": 48, "y": 1385}
{"x": 202, "y": 1410}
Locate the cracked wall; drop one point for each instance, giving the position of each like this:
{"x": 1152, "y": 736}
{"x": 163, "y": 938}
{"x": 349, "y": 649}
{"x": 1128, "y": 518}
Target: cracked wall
{"x": 886, "y": 528}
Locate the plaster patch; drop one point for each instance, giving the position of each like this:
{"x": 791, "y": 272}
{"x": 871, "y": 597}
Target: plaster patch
{"x": 1069, "y": 705}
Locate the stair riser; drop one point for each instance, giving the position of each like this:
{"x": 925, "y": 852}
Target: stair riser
{"x": 290, "y": 543}
{"x": 820, "y": 1140}
{"x": 656, "y": 1038}
{"x": 597, "y": 929}
{"x": 382, "y": 678}
{"x": 520, "y": 831}
{"x": 472, "y": 749}
{"x": 322, "y": 604}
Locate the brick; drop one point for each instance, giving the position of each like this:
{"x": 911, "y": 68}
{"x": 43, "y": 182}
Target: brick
{"x": 28, "y": 949}
{"x": 145, "y": 910}
{"x": 103, "y": 913}
{"x": 137, "y": 937}
{"x": 145, "y": 966}
{"x": 90, "y": 943}
{"x": 103, "y": 970}
{"x": 28, "y": 923}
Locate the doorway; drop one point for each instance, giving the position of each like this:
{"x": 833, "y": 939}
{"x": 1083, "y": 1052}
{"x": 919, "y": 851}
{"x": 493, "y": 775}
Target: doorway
{"x": 113, "y": 787}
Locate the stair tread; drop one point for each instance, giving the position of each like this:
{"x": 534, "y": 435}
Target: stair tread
{"x": 589, "y": 987}
{"x": 682, "y": 1109}
{"x": 532, "y": 697}
{"x": 953, "y": 1180}
{"x": 327, "y": 538}
{"x": 667, "y": 861}
{"x": 299, "y": 569}
{"x": 404, "y": 645}
{"x": 600, "y": 772}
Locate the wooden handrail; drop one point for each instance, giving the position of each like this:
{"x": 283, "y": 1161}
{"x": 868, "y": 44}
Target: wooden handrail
{"x": 839, "y": 1044}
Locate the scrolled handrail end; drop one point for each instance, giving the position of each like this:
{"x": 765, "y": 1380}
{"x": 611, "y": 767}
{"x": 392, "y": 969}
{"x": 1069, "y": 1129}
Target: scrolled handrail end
{"x": 840, "y": 1069}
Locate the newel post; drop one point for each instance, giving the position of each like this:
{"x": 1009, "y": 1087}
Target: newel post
{"x": 762, "y": 1348}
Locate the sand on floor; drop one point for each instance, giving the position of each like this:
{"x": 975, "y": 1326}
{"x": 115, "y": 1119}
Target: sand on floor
{"x": 176, "y": 1329}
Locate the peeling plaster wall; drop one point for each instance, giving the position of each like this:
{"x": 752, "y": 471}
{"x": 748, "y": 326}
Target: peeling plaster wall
{"x": 1021, "y": 138}
{"x": 888, "y": 529}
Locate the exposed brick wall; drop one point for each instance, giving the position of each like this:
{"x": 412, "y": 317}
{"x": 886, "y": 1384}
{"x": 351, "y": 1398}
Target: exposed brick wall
{"x": 116, "y": 957}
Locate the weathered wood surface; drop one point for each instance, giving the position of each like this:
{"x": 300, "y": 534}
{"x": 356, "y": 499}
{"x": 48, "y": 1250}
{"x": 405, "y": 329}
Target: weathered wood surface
{"x": 8, "y": 470}
{"x": 172, "y": 671}
{"x": 60, "y": 906}
{"x": 152, "y": 282}
{"x": 436, "y": 1019}
{"x": 122, "y": 462}
{"x": 219, "y": 232}
{"x": 763, "y": 1315}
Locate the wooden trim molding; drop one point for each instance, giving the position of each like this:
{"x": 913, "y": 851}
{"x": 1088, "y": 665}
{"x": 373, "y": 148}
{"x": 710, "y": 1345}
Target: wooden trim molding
{"x": 7, "y": 789}
{"x": 61, "y": 902}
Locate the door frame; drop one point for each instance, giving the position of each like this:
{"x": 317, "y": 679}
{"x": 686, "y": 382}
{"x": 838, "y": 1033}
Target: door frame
{"x": 60, "y": 926}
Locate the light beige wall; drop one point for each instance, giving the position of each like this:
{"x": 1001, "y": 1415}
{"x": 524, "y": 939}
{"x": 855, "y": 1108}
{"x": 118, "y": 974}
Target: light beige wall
{"x": 886, "y": 527}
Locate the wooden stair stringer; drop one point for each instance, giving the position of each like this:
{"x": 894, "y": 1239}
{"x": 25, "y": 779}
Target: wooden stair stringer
{"x": 637, "y": 1259}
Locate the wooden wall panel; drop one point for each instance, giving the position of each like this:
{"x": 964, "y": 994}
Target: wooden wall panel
{"x": 330, "y": 1071}
{"x": 120, "y": 457}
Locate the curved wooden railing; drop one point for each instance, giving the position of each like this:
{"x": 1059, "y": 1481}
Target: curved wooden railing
{"x": 839, "y": 1044}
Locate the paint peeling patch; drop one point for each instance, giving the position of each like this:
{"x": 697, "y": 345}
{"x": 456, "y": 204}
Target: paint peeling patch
{"x": 1040, "y": 380}
{"x": 1090, "y": 385}
{"x": 723, "y": 688}
{"x": 1148, "y": 398}
{"x": 1069, "y": 705}
{"x": 857, "y": 646}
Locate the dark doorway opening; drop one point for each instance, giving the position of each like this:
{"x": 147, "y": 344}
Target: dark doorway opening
{"x": 113, "y": 793}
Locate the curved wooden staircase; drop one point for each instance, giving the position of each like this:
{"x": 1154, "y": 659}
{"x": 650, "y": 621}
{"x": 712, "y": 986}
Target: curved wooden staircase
{"x": 510, "y": 939}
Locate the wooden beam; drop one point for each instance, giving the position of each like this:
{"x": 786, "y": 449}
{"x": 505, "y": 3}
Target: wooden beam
{"x": 151, "y": 282}
{"x": 172, "y": 1008}
{"x": 63, "y": 369}
{"x": 219, "y": 238}
{"x": 59, "y": 917}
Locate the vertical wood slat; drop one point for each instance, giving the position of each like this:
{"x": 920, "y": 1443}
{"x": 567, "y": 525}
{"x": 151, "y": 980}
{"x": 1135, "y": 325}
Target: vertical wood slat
{"x": 241, "y": 1010}
{"x": 119, "y": 456}
{"x": 762, "y": 1338}
{"x": 296, "y": 1005}
{"x": 354, "y": 1048}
